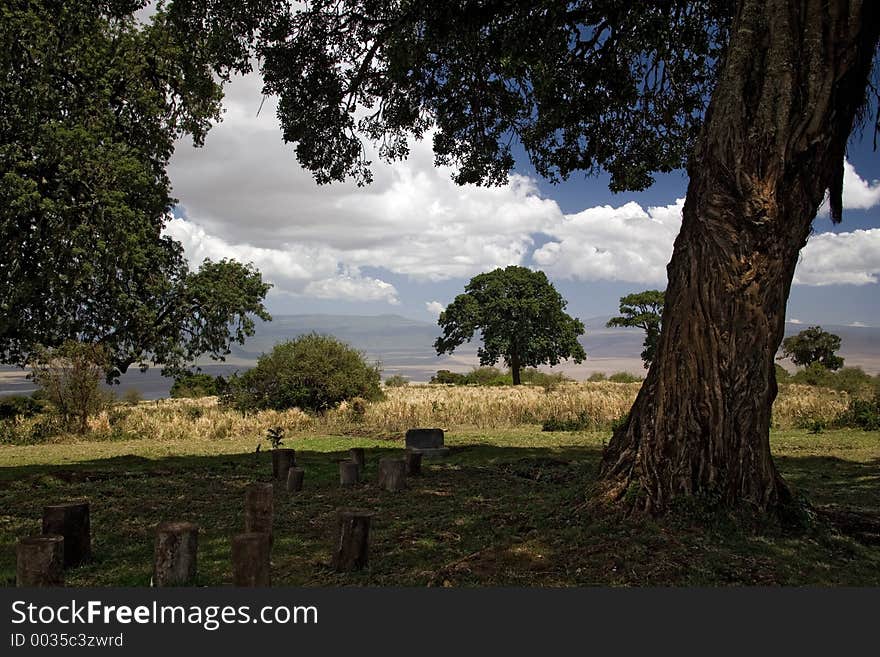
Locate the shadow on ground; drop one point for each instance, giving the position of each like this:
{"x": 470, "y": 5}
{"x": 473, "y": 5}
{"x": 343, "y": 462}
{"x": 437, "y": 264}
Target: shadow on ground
{"x": 486, "y": 515}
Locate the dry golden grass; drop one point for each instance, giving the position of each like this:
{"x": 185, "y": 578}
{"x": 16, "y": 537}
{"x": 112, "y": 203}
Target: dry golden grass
{"x": 451, "y": 408}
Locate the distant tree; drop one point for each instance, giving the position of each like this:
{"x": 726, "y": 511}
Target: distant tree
{"x": 643, "y": 310}
{"x": 521, "y": 317}
{"x": 813, "y": 345}
{"x": 92, "y": 103}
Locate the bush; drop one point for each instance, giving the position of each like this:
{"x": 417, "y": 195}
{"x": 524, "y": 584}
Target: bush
{"x": 17, "y": 407}
{"x": 488, "y": 376}
{"x": 595, "y": 377}
{"x": 194, "y": 385}
{"x": 861, "y": 414}
{"x": 624, "y": 377}
{"x": 70, "y": 377}
{"x": 782, "y": 374}
{"x": 852, "y": 380}
{"x": 449, "y": 378}
{"x": 132, "y": 397}
{"x": 313, "y": 372}
{"x": 492, "y": 376}
{"x": 396, "y": 381}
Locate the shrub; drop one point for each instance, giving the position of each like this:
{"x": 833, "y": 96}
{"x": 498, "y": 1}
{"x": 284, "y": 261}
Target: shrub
{"x": 595, "y": 377}
{"x": 396, "y": 381}
{"x": 70, "y": 376}
{"x": 313, "y": 372}
{"x": 132, "y": 397}
{"x": 16, "y": 407}
{"x": 194, "y": 385}
{"x": 488, "y": 376}
{"x": 782, "y": 374}
{"x": 852, "y": 380}
{"x": 861, "y": 414}
{"x": 536, "y": 377}
{"x": 449, "y": 378}
{"x": 624, "y": 377}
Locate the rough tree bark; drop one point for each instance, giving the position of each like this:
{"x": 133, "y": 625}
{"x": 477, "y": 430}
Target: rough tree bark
{"x": 773, "y": 142}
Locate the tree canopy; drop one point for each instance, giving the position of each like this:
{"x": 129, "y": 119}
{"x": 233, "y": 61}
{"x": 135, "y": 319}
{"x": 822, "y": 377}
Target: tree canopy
{"x": 91, "y": 105}
{"x": 813, "y": 345}
{"x": 521, "y": 317}
{"x": 642, "y": 310}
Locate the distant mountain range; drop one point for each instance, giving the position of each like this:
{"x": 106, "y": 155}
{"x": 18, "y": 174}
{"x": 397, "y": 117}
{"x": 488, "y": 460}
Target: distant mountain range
{"x": 405, "y": 346}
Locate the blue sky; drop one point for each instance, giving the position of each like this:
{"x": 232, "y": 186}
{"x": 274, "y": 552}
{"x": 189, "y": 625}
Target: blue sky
{"x": 408, "y": 243}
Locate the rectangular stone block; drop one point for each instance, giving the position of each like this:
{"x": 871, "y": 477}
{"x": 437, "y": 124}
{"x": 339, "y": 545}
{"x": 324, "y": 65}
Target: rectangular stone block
{"x": 424, "y": 438}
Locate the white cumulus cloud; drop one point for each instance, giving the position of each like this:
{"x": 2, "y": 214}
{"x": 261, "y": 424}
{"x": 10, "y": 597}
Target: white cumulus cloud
{"x": 434, "y": 307}
{"x": 840, "y": 258}
{"x": 244, "y": 196}
{"x": 626, "y": 243}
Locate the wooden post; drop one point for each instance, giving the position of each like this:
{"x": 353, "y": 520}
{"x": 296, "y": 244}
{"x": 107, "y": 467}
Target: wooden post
{"x": 352, "y": 551}
{"x": 177, "y": 545}
{"x": 283, "y": 459}
{"x": 413, "y": 463}
{"x": 250, "y": 559}
{"x": 392, "y": 474}
{"x": 357, "y": 455}
{"x": 295, "y": 480}
{"x": 71, "y": 521}
{"x": 259, "y": 509}
{"x": 40, "y": 561}
{"x": 348, "y": 473}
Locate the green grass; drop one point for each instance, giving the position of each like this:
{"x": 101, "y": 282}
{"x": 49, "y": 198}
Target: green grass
{"x": 503, "y": 509}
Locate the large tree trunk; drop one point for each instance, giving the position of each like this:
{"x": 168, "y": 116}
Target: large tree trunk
{"x": 772, "y": 144}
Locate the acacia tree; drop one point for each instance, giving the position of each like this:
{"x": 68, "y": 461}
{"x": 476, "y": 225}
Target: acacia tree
{"x": 813, "y": 345}
{"x": 91, "y": 104}
{"x": 621, "y": 87}
{"x": 521, "y": 317}
{"x": 642, "y": 310}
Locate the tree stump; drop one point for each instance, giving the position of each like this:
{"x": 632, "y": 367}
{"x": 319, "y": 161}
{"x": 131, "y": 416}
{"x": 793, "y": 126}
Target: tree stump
{"x": 348, "y": 473}
{"x": 177, "y": 545}
{"x": 352, "y": 551}
{"x": 295, "y": 479}
{"x": 357, "y": 455}
{"x": 259, "y": 509}
{"x": 392, "y": 474}
{"x": 283, "y": 459}
{"x": 250, "y": 559}
{"x": 40, "y": 561}
{"x": 71, "y": 521}
{"x": 413, "y": 464}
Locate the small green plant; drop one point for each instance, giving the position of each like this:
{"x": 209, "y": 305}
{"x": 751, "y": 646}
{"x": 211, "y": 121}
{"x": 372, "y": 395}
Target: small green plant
{"x": 816, "y": 427}
{"x": 275, "y": 436}
{"x": 595, "y": 377}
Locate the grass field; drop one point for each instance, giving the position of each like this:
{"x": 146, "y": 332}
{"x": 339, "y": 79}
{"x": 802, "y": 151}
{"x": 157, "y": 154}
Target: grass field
{"x": 507, "y": 507}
